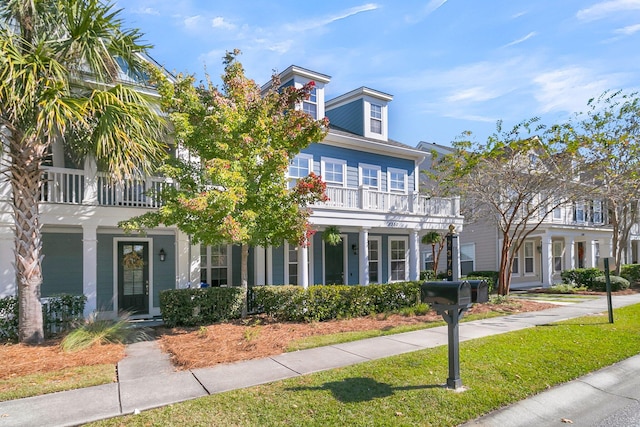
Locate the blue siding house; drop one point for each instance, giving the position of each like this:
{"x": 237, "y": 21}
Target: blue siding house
{"x": 374, "y": 202}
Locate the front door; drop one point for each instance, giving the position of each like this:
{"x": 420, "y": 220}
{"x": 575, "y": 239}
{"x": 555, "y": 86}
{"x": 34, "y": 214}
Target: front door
{"x": 133, "y": 277}
{"x": 334, "y": 264}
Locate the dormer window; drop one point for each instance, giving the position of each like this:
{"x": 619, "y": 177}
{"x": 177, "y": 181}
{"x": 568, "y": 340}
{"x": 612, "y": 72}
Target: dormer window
{"x": 310, "y": 106}
{"x": 376, "y": 118}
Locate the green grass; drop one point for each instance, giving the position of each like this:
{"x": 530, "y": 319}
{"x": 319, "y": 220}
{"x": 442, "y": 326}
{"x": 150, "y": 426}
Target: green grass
{"x": 51, "y": 382}
{"x": 407, "y": 389}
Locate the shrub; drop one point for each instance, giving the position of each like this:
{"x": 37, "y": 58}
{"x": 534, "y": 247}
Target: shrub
{"x": 59, "y": 313}
{"x": 427, "y": 275}
{"x": 489, "y": 275}
{"x": 631, "y": 272}
{"x": 566, "y": 288}
{"x": 103, "y": 331}
{"x": 580, "y": 276}
{"x": 8, "y": 319}
{"x": 617, "y": 283}
{"x": 193, "y": 307}
{"x": 319, "y": 303}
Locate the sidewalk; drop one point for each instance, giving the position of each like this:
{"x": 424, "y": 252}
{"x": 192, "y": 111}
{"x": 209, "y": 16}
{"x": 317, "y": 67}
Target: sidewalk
{"x": 147, "y": 380}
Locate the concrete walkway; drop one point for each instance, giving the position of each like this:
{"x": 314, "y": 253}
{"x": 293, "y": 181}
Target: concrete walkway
{"x": 147, "y": 380}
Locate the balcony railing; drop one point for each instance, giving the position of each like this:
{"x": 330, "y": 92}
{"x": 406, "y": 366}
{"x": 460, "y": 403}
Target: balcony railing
{"x": 73, "y": 186}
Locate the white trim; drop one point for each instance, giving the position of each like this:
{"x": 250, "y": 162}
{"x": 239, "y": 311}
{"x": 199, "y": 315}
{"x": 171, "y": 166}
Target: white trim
{"x": 209, "y": 266}
{"x": 377, "y": 239}
{"x": 301, "y": 156}
{"x": 116, "y": 241}
{"x": 404, "y": 239}
{"x": 343, "y": 163}
{"x": 378, "y": 171}
{"x": 405, "y": 184}
{"x": 533, "y": 257}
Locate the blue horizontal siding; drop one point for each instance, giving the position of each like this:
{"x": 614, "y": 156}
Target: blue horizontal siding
{"x": 349, "y": 116}
{"x": 354, "y": 157}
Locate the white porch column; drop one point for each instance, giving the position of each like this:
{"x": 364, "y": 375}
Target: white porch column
{"x": 187, "y": 256}
{"x": 269, "y": 266}
{"x": 414, "y": 257}
{"x": 260, "y": 274}
{"x": 90, "y": 181}
{"x": 90, "y": 268}
{"x": 588, "y": 254}
{"x": 547, "y": 261}
{"x": 363, "y": 256}
{"x": 570, "y": 253}
{"x": 303, "y": 266}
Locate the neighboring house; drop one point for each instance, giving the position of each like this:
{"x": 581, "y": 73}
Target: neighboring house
{"x": 372, "y": 183}
{"x": 572, "y": 236}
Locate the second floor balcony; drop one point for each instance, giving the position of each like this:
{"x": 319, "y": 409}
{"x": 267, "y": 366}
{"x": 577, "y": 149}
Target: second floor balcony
{"x": 77, "y": 187}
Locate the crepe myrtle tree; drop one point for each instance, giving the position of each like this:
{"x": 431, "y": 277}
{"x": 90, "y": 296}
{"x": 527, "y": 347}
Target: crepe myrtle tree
{"x": 232, "y": 186}
{"x": 48, "y": 48}
{"x": 513, "y": 181}
{"x": 606, "y": 139}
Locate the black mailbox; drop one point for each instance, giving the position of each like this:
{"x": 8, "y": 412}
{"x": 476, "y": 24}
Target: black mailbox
{"x": 479, "y": 290}
{"x": 446, "y": 293}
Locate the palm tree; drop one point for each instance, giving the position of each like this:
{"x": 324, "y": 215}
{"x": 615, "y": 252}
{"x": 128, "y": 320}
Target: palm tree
{"x": 59, "y": 78}
{"x": 434, "y": 238}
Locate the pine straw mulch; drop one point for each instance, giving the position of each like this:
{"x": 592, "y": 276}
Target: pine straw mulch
{"x": 259, "y": 336}
{"x": 18, "y": 360}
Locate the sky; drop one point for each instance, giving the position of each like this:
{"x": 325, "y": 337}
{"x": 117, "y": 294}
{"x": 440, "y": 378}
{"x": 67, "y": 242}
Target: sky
{"x": 451, "y": 65}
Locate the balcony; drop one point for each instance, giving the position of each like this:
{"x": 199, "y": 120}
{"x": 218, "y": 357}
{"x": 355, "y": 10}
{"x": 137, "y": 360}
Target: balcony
{"x": 76, "y": 187}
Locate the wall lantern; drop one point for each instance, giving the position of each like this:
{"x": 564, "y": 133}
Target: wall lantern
{"x": 162, "y": 254}
{"x": 354, "y": 248}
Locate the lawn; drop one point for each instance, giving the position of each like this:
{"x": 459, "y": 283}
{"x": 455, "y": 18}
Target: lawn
{"x": 407, "y": 389}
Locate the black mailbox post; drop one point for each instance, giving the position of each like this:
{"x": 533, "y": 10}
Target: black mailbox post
{"x": 451, "y": 300}
{"x": 479, "y": 290}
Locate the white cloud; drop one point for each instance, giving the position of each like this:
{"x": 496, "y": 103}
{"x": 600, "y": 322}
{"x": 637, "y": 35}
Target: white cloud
{"x": 322, "y": 22}
{"x": 431, "y": 7}
{"x": 522, "y": 39}
{"x": 192, "y": 22}
{"x": 629, "y": 30}
{"x": 605, "y": 8}
{"x": 568, "y": 89}
{"x": 474, "y": 94}
{"x": 220, "y": 22}
{"x": 147, "y": 11}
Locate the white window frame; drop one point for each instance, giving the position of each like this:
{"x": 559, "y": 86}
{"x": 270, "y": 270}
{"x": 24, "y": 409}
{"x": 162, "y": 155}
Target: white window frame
{"x": 580, "y": 207}
{"x": 529, "y": 253}
{"x": 323, "y": 171}
{"x": 405, "y": 184}
{"x": 375, "y": 116}
{"x": 287, "y": 264}
{"x": 301, "y": 157}
{"x": 311, "y": 102}
{"x": 473, "y": 251}
{"x": 516, "y": 265}
{"x": 558, "y": 254}
{"x": 209, "y": 267}
{"x": 364, "y": 166}
{"x": 378, "y": 261}
{"x": 597, "y": 209}
{"x": 405, "y": 240}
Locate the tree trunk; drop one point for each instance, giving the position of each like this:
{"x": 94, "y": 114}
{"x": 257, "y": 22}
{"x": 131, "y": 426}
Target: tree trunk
{"x": 504, "y": 274}
{"x": 244, "y": 278}
{"x": 435, "y": 260}
{"x": 26, "y": 176}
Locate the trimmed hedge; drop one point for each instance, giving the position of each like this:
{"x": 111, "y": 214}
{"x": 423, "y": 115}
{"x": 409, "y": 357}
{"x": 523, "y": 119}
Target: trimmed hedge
{"x": 318, "y": 303}
{"x": 631, "y": 272}
{"x": 489, "y": 275}
{"x": 580, "y": 276}
{"x": 617, "y": 283}
{"x": 193, "y": 307}
{"x": 59, "y": 314}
